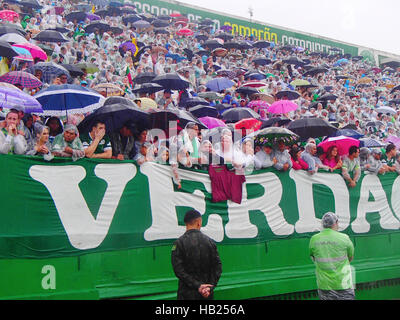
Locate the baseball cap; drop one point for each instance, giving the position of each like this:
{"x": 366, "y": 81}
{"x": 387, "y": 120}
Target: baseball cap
{"x": 191, "y": 215}
{"x": 329, "y": 219}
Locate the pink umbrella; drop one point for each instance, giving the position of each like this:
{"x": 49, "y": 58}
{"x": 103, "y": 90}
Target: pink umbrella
{"x": 258, "y": 103}
{"x": 343, "y": 144}
{"x": 181, "y": 23}
{"x": 185, "y": 32}
{"x": 254, "y": 84}
{"x": 282, "y": 106}
{"x": 395, "y": 140}
{"x": 8, "y": 15}
{"x": 211, "y": 123}
{"x": 35, "y": 51}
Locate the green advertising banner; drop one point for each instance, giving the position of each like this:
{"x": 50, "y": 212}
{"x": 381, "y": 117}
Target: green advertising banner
{"x": 67, "y": 208}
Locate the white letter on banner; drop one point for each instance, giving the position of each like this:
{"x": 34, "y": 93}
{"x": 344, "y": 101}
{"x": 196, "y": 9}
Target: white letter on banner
{"x": 372, "y": 185}
{"x": 84, "y": 232}
{"x": 396, "y": 197}
{"x": 239, "y": 225}
{"x": 164, "y": 201}
{"x": 305, "y": 199}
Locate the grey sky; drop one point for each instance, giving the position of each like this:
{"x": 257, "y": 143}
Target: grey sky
{"x": 367, "y": 23}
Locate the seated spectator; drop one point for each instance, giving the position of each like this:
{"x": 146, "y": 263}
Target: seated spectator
{"x": 96, "y": 143}
{"x": 351, "y": 169}
{"x": 147, "y": 154}
{"x": 56, "y": 127}
{"x": 390, "y": 158}
{"x": 265, "y": 158}
{"x": 123, "y": 143}
{"x": 12, "y": 140}
{"x": 332, "y": 159}
{"x": 308, "y": 156}
{"x": 297, "y": 161}
{"x": 41, "y": 145}
{"x": 375, "y": 165}
{"x": 284, "y": 162}
{"x": 68, "y": 144}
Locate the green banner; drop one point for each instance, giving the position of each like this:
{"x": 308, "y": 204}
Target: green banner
{"x": 67, "y": 208}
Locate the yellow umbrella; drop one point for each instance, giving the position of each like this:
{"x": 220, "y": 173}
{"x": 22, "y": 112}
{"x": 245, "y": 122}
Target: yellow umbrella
{"x": 147, "y": 103}
{"x": 364, "y": 80}
{"x": 109, "y": 89}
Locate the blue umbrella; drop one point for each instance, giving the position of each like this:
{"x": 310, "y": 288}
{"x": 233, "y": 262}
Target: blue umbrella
{"x": 255, "y": 76}
{"x": 349, "y": 133}
{"x": 60, "y": 100}
{"x": 219, "y": 84}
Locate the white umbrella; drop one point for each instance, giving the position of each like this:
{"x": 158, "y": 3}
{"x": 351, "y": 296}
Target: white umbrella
{"x": 13, "y": 37}
{"x": 385, "y": 110}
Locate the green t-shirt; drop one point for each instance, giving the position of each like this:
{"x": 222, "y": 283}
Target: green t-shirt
{"x": 103, "y": 146}
{"x": 331, "y": 250}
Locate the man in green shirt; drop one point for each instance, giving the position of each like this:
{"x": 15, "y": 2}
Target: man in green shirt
{"x": 96, "y": 143}
{"x": 390, "y": 157}
{"x": 332, "y": 253}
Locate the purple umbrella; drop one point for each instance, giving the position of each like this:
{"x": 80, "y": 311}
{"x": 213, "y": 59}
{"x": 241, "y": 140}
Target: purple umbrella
{"x": 12, "y": 98}
{"x": 219, "y": 84}
{"x": 129, "y": 46}
{"x": 395, "y": 140}
{"x": 211, "y": 123}
{"x": 93, "y": 17}
{"x": 226, "y": 28}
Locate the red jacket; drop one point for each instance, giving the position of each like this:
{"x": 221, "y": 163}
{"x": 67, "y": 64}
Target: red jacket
{"x": 300, "y": 164}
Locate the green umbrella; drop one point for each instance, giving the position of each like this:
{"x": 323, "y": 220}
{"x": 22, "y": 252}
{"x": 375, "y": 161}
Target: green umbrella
{"x": 89, "y": 67}
{"x": 49, "y": 51}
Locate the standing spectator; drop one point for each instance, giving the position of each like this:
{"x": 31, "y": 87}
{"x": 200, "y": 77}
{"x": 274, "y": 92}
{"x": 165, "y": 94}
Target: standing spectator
{"x": 332, "y": 253}
{"x": 351, "y": 169}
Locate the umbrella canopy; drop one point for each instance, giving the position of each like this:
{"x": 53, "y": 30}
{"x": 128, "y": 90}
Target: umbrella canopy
{"x": 255, "y": 76}
{"x": 119, "y": 100}
{"x": 76, "y": 15}
{"x": 247, "y": 90}
{"x": 213, "y": 44}
{"x": 144, "y": 77}
{"x": 314, "y": 71}
{"x": 34, "y": 50}
{"x": 200, "y": 111}
{"x": 161, "y": 119}
{"x": 210, "y": 95}
{"x": 23, "y": 54}
{"x": 60, "y": 100}
{"x": 100, "y": 26}
{"x": 30, "y": 3}
{"x": 261, "y": 44}
{"x": 275, "y": 122}
{"x": 160, "y": 23}
{"x": 311, "y": 128}
{"x": 386, "y": 110}
{"x": 282, "y": 107}
{"x": 73, "y": 70}
{"x": 185, "y": 32}
{"x": 147, "y": 104}
{"x": 108, "y": 89}
{"x": 50, "y": 71}
{"x": 11, "y": 28}
{"x": 257, "y": 104}
{"x": 262, "y": 61}
{"x": 8, "y": 15}
{"x": 141, "y": 24}
{"x": 374, "y": 124}
{"x": 327, "y": 97}
{"x": 250, "y": 124}
{"x": 15, "y": 98}
{"x": 370, "y": 143}
{"x": 6, "y": 50}
{"x": 293, "y": 60}
{"x": 212, "y": 123}
{"x": 288, "y": 94}
{"x": 195, "y": 101}
{"x": 50, "y": 36}
{"x": 25, "y": 79}
{"x": 349, "y": 133}
{"x": 89, "y": 67}
{"x": 300, "y": 83}
{"x": 365, "y": 80}
{"x": 13, "y": 38}
{"x": 148, "y": 88}
{"x": 237, "y": 114}
{"x": 224, "y": 36}
{"x": 114, "y": 117}
{"x": 219, "y": 84}
{"x": 271, "y": 136}
{"x": 93, "y": 17}
{"x": 395, "y": 140}
{"x": 342, "y": 143}
{"x": 172, "y": 81}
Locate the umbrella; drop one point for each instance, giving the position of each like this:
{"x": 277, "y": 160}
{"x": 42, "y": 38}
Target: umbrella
{"x": 255, "y": 76}
{"x": 89, "y": 67}
{"x": 160, "y": 119}
{"x": 73, "y": 70}
{"x": 258, "y": 103}
{"x": 219, "y": 84}
{"x": 50, "y": 36}
{"x": 30, "y": 3}
{"x": 160, "y": 23}
{"x": 293, "y": 60}
{"x": 288, "y": 94}
{"x": 50, "y": 70}
{"x": 114, "y": 117}
{"x": 144, "y": 77}
{"x": 131, "y": 18}
{"x": 365, "y": 80}
{"x": 311, "y": 128}
{"x": 226, "y": 28}
{"x": 6, "y": 50}
{"x": 386, "y": 110}
{"x": 349, "y": 133}
{"x": 262, "y": 61}
{"x": 394, "y": 140}
{"x": 245, "y": 45}
{"x": 275, "y": 122}
{"x": 224, "y": 36}
{"x": 261, "y": 44}
{"x": 374, "y": 124}
{"x": 282, "y": 107}
{"x": 109, "y": 89}
{"x": 213, "y": 44}
{"x": 101, "y": 26}
{"x": 300, "y": 83}
{"x": 16, "y": 98}
{"x": 8, "y": 15}
{"x": 148, "y": 88}
{"x": 34, "y": 50}
{"x": 237, "y": 114}
{"x": 204, "y": 111}
{"x": 314, "y": 71}
{"x": 210, "y": 95}
{"x": 141, "y": 24}
{"x": 13, "y": 38}
{"x": 172, "y": 81}
{"x": 370, "y": 143}
{"x": 227, "y": 74}
{"x": 231, "y": 45}
{"x": 147, "y": 103}
{"x": 254, "y": 84}
{"x": 119, "y": 100}
{"x": 76, "y": 15}
{"x": 23, "y": 54}
{"x": 185, "y": 32}
{"x": 212, "y": 123}
{"x": 247, "y": 90}
{"x": 264, "y": 97}
{"x": 342, "y": 143}
{"x": 191, "y": 102}
{"x": 272, "y": 135}
{"x": 327, "y": 97}
{"x": 93, "y": 17}
{"x": 220, "y": 52}
{"x": 25, "y": 79}
{"x": 250, "y": 124}
{"x": 61, "y": 100}
{"x": 116, "y": 30}
{"x": 7, "y": 28}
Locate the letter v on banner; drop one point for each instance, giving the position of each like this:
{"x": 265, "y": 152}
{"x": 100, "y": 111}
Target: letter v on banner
{"x": 83, "y": 230}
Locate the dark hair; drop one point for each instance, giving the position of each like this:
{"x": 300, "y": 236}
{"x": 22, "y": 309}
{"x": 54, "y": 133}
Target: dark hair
{"x": 191, "y": 215}
{"x": 320, "y": 151}
{"x": 352, "y": 150}
{"x": 294, "y": 151}
{"x": 390, "y": 147}
{"x": 329, "y": 153}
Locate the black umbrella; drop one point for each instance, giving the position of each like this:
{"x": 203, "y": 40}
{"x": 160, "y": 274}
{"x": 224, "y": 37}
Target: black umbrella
{"x": 394, "y": 101}
{"x": 261, "y": 44}
{"x": 201, "y": 37}
{"x": 73, "y": 70}
{"x": 327, "y": 97}
{"x": 200, "y": 111}
{"x": 164, "y": 17}
{"x": 207, "y": 22}
{"x": 262, "y": 61}
{"x": 374, "y": 124}
{"x": 254, "y": 76}
{"x": 314, "y": 71}
{"x": 144, "y": 77}
{"x": 275, "y": 122}
{"x": 115, "y": 116}
{"x": 212, "y": 44}
{"x": 203, "y": 53}
{"x": 148, "y": 88}
{"x": 50, "y": 36}
{"x": 392, "y": 63}
{"x": 245, "y": 45}
{"x": 232, "y": 45}
{"x": 101, "y": 26}
{"x": 237, "y": 114}
{"x": 293, "y": 60}
{"x": 311, "y": 128}
{"x": 131, "y": 18}
{"x": 76, "y": 15}
{"x": 160, "y": 23}
{"x": 287, "y": 47}
{"x": 224, "y": 36}
{"x": 191, "y": 102}
{"x": 116, "y": 31}
{"x": 60, "y": 29}
{"x": 172, "y": 81}
{"x": 289, "y": 94}
{"x": 350, "y": 126}
{"x": 221, "y": 107}
{"x": 161, "y": 31}
{"x": 30, "y": 4}
{"x": 247, "y": 90}
{"x": 357, "y": 58}
{"x": 161, "y": 119}
{"x": 6, "y": 50}
{"x": 395, "y": 89}
{"x": 119, "y": 100}
{"x": 8, "y": 28}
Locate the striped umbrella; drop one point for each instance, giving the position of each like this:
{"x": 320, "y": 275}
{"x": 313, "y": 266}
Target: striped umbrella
{"x": 61, "y": 100}
{"x": 23, "y": 54}
{"x": 50, "y": 71}
{"x": 258, "y": 103}
{"x": 25, "y": 79}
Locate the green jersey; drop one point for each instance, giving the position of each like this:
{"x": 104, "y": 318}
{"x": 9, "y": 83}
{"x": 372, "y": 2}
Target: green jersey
{"x": 331, "y": 251}
{"x": 103, "y": 146}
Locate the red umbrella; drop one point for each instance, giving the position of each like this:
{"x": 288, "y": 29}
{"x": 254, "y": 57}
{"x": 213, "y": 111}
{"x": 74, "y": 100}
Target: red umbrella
{"x": 175, "y": 15}
{"x": 343, "y": 144}
{"x": 8, "y": 15}
{"x": 181, "y": 23}
{"x": 254, "y": 84}
{"x": 250, "y": 124}
{"x": 185, "y": 32}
